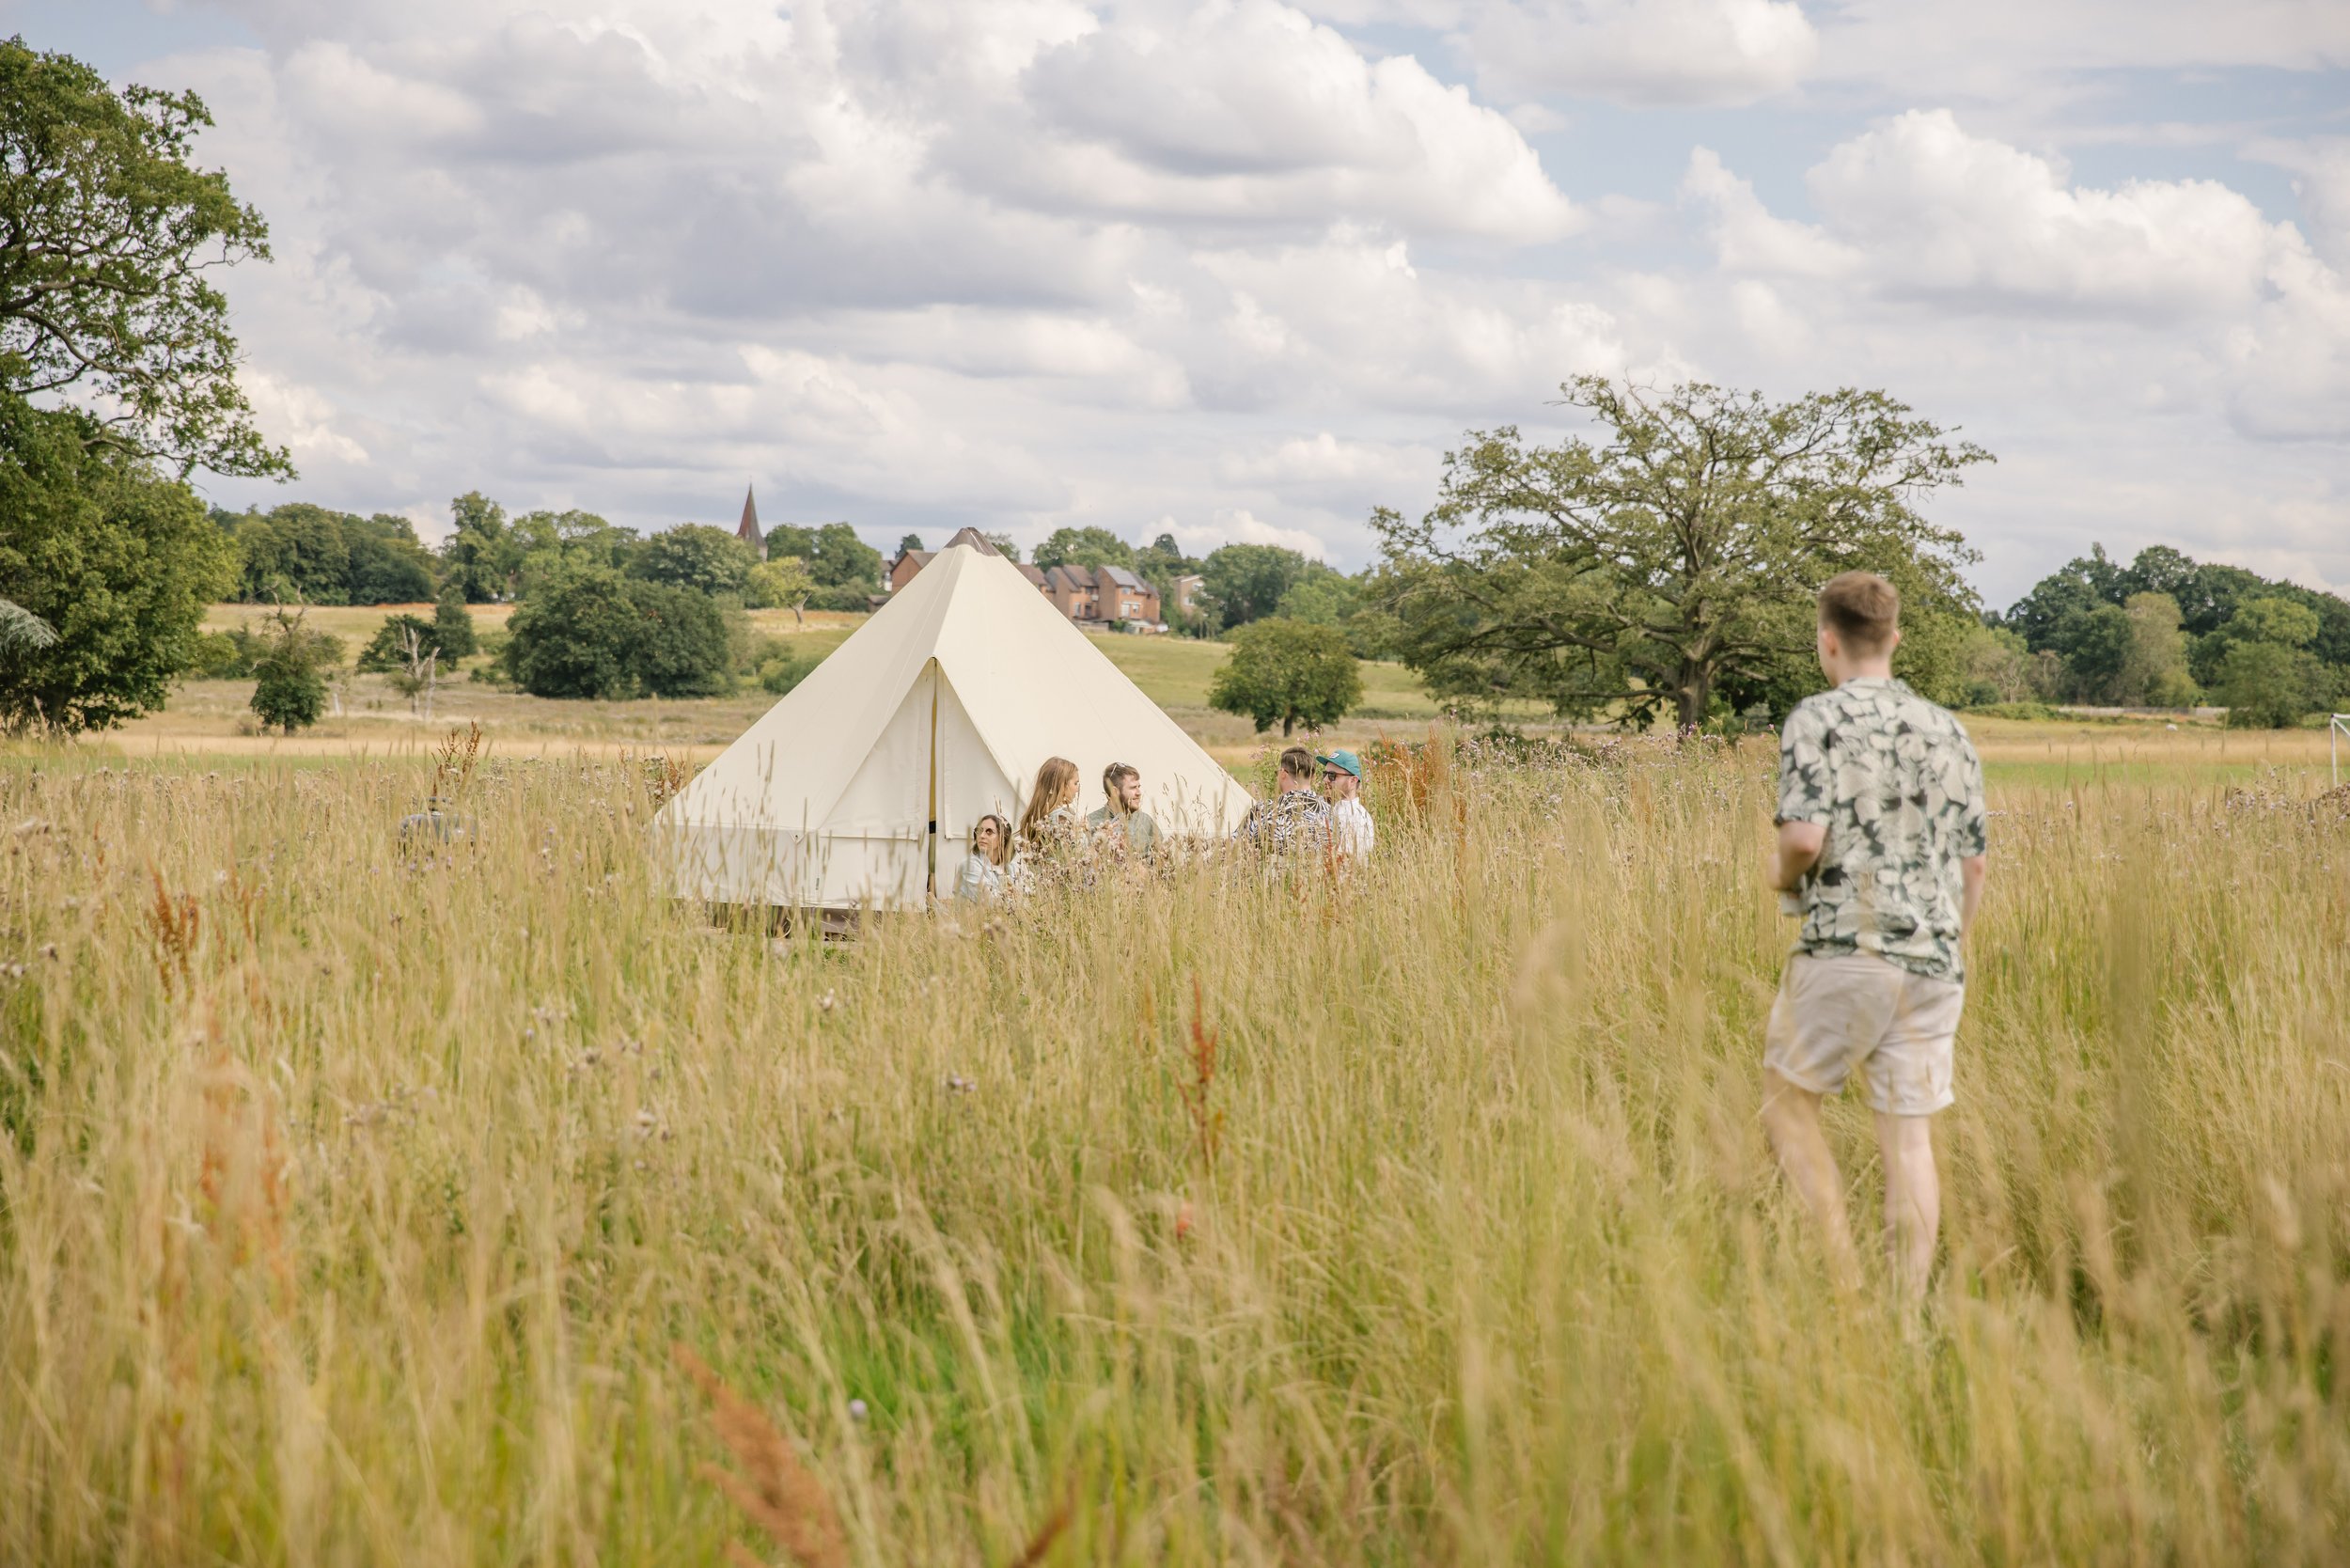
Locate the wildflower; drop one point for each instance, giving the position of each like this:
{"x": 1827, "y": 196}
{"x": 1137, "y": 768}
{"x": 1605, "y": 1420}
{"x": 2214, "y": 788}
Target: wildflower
{"x": 826, "y": 1002}
{"x": 956, "y": 1085}
{"x": 856, "y": 1411}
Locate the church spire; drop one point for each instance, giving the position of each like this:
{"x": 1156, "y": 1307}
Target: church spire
{"x": 748, "y": 532}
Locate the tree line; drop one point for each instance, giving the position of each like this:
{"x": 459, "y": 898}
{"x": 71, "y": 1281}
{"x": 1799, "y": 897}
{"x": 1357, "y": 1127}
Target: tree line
{"x": 2168, "y": 630}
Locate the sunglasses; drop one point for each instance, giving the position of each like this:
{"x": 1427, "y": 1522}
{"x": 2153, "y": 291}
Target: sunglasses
{"x": 1334, "y": 775}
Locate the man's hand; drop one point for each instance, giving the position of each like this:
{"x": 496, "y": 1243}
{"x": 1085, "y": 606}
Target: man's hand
{"x": 1798, "y": 852}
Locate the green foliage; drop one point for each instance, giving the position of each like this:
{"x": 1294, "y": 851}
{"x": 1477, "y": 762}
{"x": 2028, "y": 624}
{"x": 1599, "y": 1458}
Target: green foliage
{"x": 1246, "y": 581}
{"x": 452, "y": 624}
{"x": 1326, "y": 597}
{"x": 683, "y": 649}
{"x": 389, "y": 647}
{"x": 586, "y": 630}
{"x": 1004, "y": 546}
{"x": 482, "y": 556}
{"x": 1996, "y": 666}
{"x": 306, "y": 554}
{"x": 1287, "y": 671}
{"x": 845, "y": 567}
{"x": 773, "y": 662}
{"x": 2059, "y": 619}
{"x": 1679, "y": 557}
{"x": 778, "y": 583}
{"x": 695, "y": 557}
{"x": 542, "y": 542}
{"x": 110, "y": 235}
{"x": 908, "y": 543}
{"x": 116, "y": 562}
{"x": 289, "y": 691}
{"x": 1087, "y": 547}
{"x": 223, "y": 655}
{"x": 2269, "y": 685}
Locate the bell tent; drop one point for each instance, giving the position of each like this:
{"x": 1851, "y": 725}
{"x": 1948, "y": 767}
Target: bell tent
{"x": 861, "y": 787}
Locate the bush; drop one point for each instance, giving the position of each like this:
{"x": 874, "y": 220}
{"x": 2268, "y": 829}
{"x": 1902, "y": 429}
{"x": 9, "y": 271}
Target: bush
{"x": 590, "y": 632}
{"x": 288, "y": 693}
{"x": 2014, "y": 710}
{"x": 119, "y": 561}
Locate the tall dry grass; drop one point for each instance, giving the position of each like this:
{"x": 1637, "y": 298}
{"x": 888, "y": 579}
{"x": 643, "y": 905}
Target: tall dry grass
{"x": 352, "y": 1202}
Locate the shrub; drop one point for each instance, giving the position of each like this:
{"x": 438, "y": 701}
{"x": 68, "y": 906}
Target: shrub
{"x": 590, "y": 632}
{"x": 288, "y": 693}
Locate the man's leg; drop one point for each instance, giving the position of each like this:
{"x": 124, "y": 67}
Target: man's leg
{"x": 1791, "y": 1115}
{"x": 1913, "y": 1199}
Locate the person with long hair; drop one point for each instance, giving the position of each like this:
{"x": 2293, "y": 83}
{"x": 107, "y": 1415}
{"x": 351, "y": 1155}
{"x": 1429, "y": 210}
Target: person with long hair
{"x": 1121, "y": 820}
{"x": 987, "y": 870}
{"x": 1048, "y": 824}
{"x": 1051, "y": 814}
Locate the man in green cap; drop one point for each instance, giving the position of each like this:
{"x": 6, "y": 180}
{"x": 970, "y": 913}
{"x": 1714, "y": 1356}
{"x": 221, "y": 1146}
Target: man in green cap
{"x": 1352, "y": 833}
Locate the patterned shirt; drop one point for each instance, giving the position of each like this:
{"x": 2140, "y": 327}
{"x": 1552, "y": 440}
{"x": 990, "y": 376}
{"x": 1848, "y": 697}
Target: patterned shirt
{"x": 1896, "y": 783}
{"x": 1293, "y": 821}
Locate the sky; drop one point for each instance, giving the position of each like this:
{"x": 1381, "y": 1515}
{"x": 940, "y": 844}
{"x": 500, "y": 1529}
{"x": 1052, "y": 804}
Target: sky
{"x": 1242, "y": 271}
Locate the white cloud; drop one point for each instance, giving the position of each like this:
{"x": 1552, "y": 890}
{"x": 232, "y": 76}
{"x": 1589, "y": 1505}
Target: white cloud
{"x": 1642, "y": 51}
{"x": 1031, "y": 262}
{"x": 1941, "y": 211}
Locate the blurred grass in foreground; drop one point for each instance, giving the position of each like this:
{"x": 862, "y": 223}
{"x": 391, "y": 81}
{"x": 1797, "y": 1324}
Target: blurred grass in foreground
{"x": 350, "y": 1203}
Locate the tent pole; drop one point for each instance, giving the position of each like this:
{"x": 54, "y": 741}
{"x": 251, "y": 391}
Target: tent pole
{"x": 931, "y": 877}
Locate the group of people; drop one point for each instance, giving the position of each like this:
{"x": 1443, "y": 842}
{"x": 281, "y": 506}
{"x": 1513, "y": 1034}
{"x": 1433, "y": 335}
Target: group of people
{"x": 1301, "y": 819}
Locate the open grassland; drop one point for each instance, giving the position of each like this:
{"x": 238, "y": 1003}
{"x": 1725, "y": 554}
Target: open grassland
{"x": 352, "y": 1203}
{"x": 214, "y": 716}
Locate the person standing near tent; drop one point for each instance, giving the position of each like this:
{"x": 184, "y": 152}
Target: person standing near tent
{"x": 1048, "y": 824}
{"x": 1882, "y": 849}
{"x": 1121, "y": 820}
{"x": 1295, "y": 820}
{"x": 986, "y": 871}
{"x": 1352, "y": 831}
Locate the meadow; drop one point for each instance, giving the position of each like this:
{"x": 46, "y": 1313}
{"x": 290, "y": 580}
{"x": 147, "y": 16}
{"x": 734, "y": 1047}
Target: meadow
{"x": 355, "y": 1201}
{"x": 214, "y": 716}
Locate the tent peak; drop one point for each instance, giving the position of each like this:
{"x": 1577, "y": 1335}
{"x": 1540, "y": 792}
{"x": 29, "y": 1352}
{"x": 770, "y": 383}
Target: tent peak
{"x": 972, "y": 538}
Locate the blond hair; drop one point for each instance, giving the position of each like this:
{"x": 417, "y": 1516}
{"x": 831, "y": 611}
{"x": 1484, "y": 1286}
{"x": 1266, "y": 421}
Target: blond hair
{"x": 1055, "y": 787}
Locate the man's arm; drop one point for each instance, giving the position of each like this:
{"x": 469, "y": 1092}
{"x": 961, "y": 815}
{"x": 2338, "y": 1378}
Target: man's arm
{"x": 1970, "y": 872}
{"x": 1798, "y": 852}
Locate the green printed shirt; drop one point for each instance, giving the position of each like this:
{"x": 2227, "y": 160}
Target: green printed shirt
{"x": 1896, "y": 783}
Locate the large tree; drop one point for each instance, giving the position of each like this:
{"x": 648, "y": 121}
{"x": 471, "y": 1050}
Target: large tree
{"x": 116, "y": 562}
{"x": 1675, "y": 553}
{"x": 108, "y": 236}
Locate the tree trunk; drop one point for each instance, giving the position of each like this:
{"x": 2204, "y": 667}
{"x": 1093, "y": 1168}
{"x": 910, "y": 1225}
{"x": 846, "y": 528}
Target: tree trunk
{"x": 1289, "y": 722}
{"x": 1695, "y": 696}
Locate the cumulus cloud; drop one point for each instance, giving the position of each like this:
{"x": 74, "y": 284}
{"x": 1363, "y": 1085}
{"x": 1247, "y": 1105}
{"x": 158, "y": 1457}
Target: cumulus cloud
{"x": 1642, "y": 51}
{"x": 1245, "y": 266}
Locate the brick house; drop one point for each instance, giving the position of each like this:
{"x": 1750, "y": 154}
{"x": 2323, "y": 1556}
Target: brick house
{"x": 1091, "y": 596}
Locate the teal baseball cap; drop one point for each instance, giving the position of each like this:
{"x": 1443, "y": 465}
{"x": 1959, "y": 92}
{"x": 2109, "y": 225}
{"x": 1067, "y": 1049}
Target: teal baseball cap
{"x": 1343, "y": 760}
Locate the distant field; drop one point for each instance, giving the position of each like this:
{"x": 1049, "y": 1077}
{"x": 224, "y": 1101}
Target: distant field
{"x": 205, "y": 717}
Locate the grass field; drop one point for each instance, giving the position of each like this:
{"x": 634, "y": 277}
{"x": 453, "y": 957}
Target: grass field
{"x": 212, "y": 716}
{"x": 352, "y": 1202}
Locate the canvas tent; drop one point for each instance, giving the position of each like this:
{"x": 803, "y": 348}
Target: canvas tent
{"x": 860, "y": 788}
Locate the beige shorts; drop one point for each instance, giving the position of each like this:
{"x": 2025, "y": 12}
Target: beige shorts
{"x": 1838, "y": 1012}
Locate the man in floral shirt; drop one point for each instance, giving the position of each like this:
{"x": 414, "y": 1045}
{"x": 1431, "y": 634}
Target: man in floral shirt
{"x": 1295, "y": 821}
{"x": 1882, "y": 850}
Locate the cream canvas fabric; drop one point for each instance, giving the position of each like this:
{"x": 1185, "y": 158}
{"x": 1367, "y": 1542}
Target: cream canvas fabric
{"x": 965, "y": 681}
